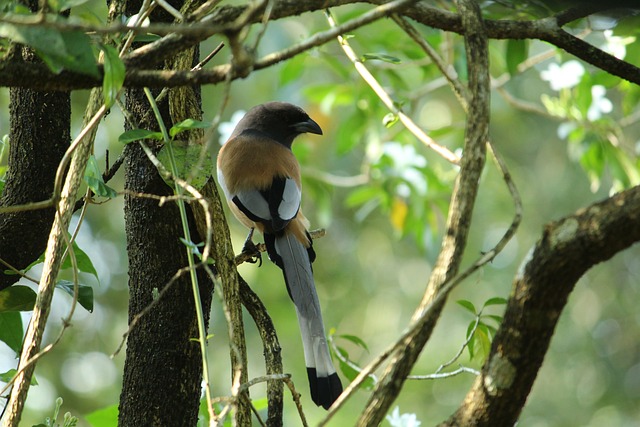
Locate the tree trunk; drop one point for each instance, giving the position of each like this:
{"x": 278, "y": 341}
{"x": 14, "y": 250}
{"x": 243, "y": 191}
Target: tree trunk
{"x": 163, "y": 370}
{"x": 39, "y": 136}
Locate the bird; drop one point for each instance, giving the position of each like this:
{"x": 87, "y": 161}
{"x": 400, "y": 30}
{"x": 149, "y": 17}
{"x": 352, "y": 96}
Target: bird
{"x": 260, "y": 178}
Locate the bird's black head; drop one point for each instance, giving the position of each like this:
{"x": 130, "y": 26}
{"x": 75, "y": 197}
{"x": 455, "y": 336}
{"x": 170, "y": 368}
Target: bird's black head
{"x": 278, "y": 120}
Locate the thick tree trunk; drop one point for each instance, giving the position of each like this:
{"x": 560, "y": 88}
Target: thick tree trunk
{"x": 39, "y": 135}
{"x": 163, "y": 370}
{"x": 163, "y": 366}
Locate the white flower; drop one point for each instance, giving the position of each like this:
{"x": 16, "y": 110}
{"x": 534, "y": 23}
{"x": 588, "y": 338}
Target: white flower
{"x": 615, "y": 45}
{"x": 563, "y": 76}
{"x": 404, "y": 156}
{"x": 402, "y": 420}
{"x": 133, "y": 21}
{"x": 600, "y": 104}
{"x": 565, "y": 129}
{"x": 406, "y": 165}
{"x": 225, "y": 128}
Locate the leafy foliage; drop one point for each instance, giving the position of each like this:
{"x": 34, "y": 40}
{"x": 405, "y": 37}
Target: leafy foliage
{"x": 193, "y": 163}
{"x": 17, "y": 298}
{"x": 482, "y": 329}
{"x": 93, "y": 178}
{"x": 400, "y": 180}
{"x": 67, "y": 421}
{"x": 349, "y": 367}
{"x": 59, "y": 50}
{"x": 11, "y": 329}
{"x": 114, "y": 73}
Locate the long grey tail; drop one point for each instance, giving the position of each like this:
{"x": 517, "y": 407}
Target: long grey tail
{"x": 295, "y": 261}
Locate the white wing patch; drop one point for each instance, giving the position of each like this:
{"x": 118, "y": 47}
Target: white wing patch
{"x": 255, "y": 203}
{"x": 290, "y": 204}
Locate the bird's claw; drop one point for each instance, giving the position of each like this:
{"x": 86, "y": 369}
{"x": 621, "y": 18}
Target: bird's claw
{"x": 251, "y": 249}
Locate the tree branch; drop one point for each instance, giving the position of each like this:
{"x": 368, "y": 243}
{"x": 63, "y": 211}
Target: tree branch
{"x": 567, "y": 249}
{"x": 140, "y": 62}
{"x": 458, "y": 222}
{"x": 272, "y": 351}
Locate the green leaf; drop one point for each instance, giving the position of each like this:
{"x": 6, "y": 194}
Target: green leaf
{"x": 468, "y": 305}
{"x": 193, "y": 247}
{"x": 363, "y": 195}
{"x": 138, "y": 134}
{"x": 85, "y": 293}
{"x": 593, "y": 162}
{"x": 93, "y": 178}
{"x": 17, "y": 298}
{"x": 492, "y": 329}
{"x": 187, "y": 124}
{"x": 381, "y": 57}
{"x": 105, "y": 417}
{"x": 472, "y": 340}
{"x": 356, "y": 340}
{"x": 11, "y": 330}
{"x": 517, "y": 51}
{"x": 350, "y": 131}
{"x": 351, "y": 373}
{"x": 390, "y": 119}
{"x": 5, "y": 377}
{"x": 40, "y": 260}
{"x": 8, "y": 376}
{"x": 495, "y": 301}
{"x": 292, "y": 69}
{"x": 260, "y": 404}
{"x": 114, "y": 72}
{"x": 497, "y": 319}
{"x": 82, "y": 260}
{"x": 581, "y": 97}
{"x": 483, "y": 338}
{"x": 59, "y": 50}
{"x": 186, "y": 157}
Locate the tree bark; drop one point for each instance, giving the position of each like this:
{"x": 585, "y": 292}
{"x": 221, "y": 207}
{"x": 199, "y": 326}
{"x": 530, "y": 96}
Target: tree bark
{"x": 38, "y": 138}
{"x": 567, "y": 249}
{"x": 163, "y": 365}
{"x": 140, "y": 61}
{"x": 163, "y": 368}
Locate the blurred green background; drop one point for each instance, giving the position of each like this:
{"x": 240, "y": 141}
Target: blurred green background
{"x": 385, "y": 219}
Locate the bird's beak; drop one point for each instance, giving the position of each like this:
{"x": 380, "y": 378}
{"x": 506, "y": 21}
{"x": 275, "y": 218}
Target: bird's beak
{"x": 308, "y": 126}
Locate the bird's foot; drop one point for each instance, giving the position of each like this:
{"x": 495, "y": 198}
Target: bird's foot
{"x": 251, "y": 249}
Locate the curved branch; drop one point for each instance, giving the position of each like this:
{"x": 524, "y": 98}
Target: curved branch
{"x": 458, "y": 222}
{"x": 568, "y": 248}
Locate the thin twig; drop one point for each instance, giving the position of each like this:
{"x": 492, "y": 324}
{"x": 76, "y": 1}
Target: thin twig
{"x": 31, "y": 206}
{"x": 447, "y": 70}
{"x": 18, "y": 272}
{"x": 464, "y": 345}
{"x": 208, "y": 58}
{"x": 170, "y": 9}
{"x": 386, "y": 99}
{"x": 296, "y": 399}
{"x": 438, "y": 376}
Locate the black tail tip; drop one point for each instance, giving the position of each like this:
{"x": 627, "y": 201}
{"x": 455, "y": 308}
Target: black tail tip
{"x": 324, "y": 390}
